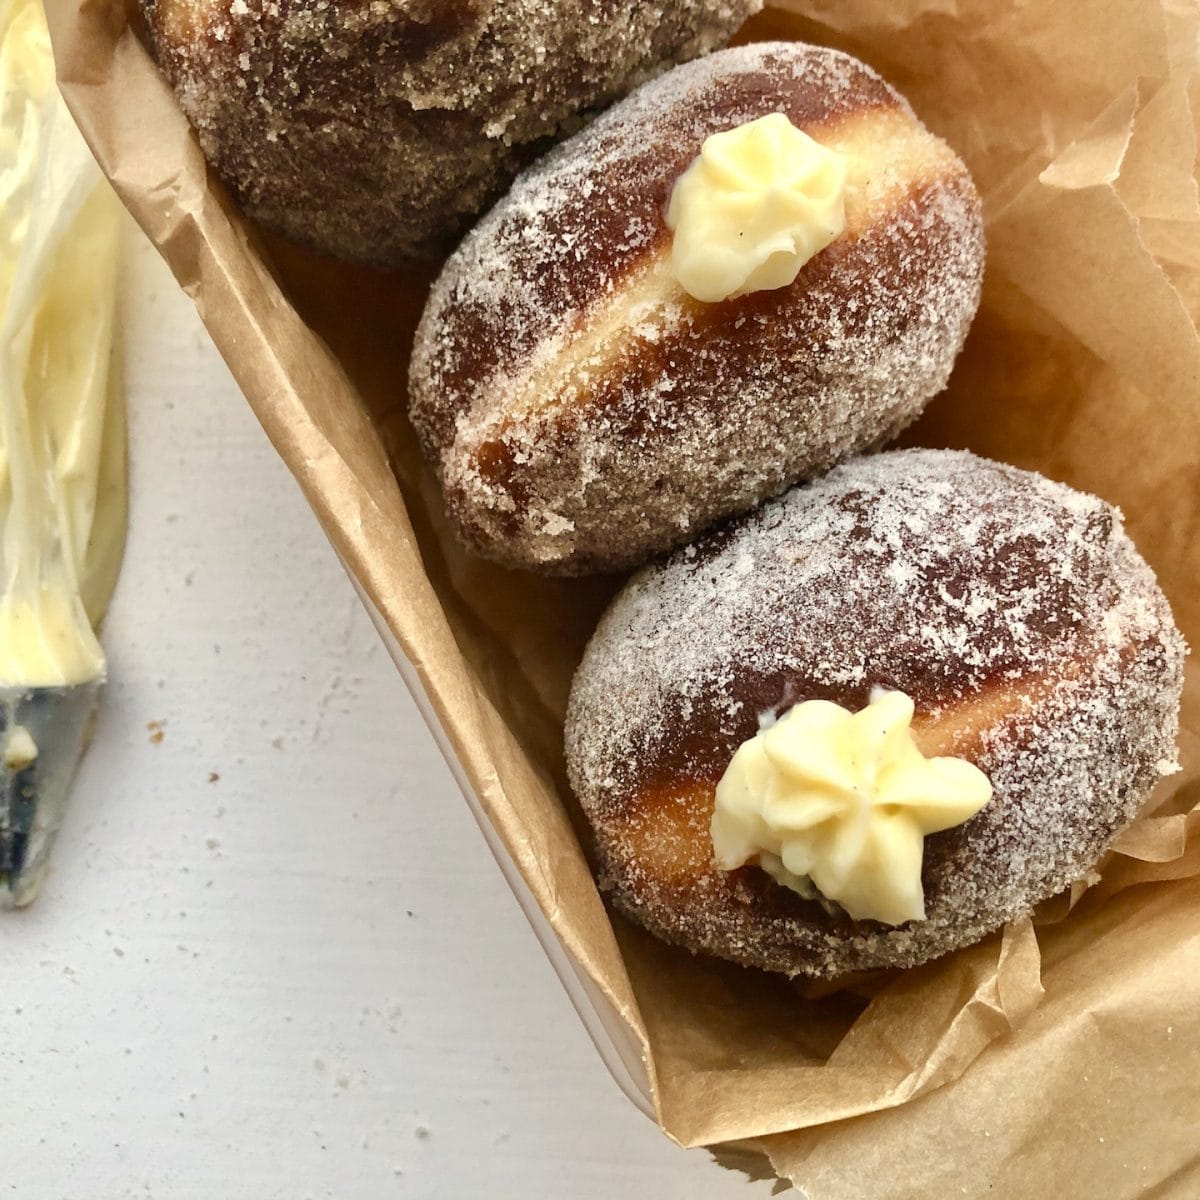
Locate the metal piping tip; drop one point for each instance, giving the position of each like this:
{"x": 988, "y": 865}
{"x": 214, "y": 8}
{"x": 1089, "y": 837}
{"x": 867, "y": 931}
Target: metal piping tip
{"x": 43, "y": 734}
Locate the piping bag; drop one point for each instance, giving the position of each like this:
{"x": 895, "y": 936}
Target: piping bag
{"x": 62, "y": 446}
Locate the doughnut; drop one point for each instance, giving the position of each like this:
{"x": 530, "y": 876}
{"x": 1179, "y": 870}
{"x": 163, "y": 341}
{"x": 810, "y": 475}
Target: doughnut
{"x": 375, "y": 132}
{"x": 584, "y": 412}
{"x": 1015, "y": 614}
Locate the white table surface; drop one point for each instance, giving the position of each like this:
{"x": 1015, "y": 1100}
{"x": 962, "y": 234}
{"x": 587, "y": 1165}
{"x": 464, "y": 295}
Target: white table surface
{"x": 306, "y": 977}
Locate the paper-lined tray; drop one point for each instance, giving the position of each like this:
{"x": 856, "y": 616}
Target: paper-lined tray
{"x": 1058, "y": 1058}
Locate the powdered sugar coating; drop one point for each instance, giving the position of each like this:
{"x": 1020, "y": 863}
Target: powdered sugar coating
{"x": 374, "y": 129}
{"x": 1015, "y": 611}
{"x": 584, "y": 413}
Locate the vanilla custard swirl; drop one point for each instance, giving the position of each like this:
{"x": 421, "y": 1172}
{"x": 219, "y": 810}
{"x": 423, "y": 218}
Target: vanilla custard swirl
{"x": 841, "y": 802}
{"x": 757, "y": 203}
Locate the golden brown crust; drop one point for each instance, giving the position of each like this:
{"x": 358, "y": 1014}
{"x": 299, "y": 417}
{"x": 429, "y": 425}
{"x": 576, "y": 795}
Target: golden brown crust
{"x": 583, "y": 412}
{"x": 1015, "y": 612}
{"x": 374, "y": 131}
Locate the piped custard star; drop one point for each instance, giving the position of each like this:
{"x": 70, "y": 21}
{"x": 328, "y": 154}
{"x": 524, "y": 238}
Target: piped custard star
{"x": 756, "y": 204}
{"x": 842, "y": 802}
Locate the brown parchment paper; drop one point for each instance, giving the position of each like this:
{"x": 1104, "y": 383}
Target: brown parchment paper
{"x": 1061, "y": 1056}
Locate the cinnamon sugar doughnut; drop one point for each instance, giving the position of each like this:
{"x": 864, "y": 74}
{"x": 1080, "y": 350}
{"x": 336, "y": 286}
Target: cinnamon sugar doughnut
{"x": 374, "y": 131}
{"x": 1014, "y": 611}
{"x": 584, "y": 413}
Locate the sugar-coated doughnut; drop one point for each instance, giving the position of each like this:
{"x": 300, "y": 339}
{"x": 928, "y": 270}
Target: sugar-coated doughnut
{"x": 584, "y": 413}
{"x": 1014, "y": 611}
{"x": 375, "y": 131}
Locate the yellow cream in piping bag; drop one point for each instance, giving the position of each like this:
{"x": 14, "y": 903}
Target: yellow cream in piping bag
{"x": 758, "y": 202}
{"x": 839, "y": 803}
{"x": 62, "y": 446}
{"x": 62, "y": 431}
